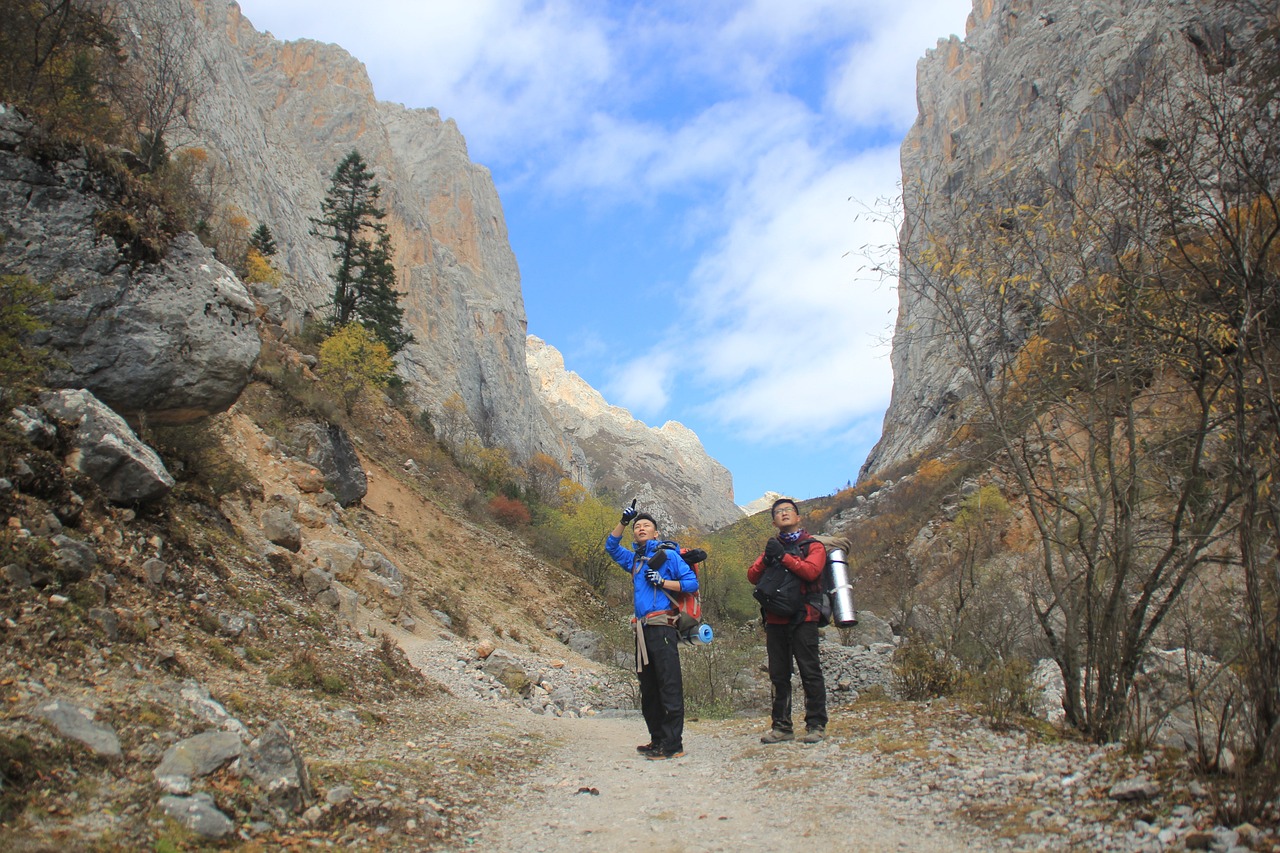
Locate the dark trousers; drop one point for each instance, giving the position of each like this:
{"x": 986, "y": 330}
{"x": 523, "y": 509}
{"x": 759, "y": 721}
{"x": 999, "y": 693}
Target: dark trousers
{"x": 785, "y": 642}
{"x": 662, "y": 689}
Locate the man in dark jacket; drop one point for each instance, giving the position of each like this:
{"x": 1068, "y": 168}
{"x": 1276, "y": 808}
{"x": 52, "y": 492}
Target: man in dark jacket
{"x": 795, "y": 635}
{"x": 655, "y": 571}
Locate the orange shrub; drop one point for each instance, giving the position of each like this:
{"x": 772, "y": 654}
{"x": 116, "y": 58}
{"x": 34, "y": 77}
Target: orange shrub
{"x": 510, "y": 512}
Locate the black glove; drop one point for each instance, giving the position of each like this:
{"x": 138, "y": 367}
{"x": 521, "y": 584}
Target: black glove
{"x": 653, "y": 576}
{"x": 628, "y": 513}
{"x": 773, "y": 550}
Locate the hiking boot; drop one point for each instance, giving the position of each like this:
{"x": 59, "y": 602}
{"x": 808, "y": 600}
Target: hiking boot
{"x": 663, "y": 755}
{"x": 777, "y": 736}
{"x": 647, "y": 748}
{"x": 816, "y": 735}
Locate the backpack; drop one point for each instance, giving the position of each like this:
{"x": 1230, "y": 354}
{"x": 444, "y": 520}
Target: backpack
{"x": 782, "y": 593}
{"x": 689, "y": 604}
{"x": 779, "y": 592}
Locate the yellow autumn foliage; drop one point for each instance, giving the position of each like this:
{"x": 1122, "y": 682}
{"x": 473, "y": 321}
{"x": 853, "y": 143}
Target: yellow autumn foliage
{"x": 353, "y": 360}
{"x": 258, "y": 269}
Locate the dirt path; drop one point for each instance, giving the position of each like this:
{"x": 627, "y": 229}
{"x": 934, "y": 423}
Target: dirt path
{"x": 729, "y": 793}
{"x": 594, "y": 792}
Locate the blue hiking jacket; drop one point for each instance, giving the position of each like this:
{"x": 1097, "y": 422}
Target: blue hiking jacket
{"x": 648, "y": 598}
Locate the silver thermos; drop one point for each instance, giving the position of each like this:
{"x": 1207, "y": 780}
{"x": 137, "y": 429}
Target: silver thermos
{"x": 836, "y": 576}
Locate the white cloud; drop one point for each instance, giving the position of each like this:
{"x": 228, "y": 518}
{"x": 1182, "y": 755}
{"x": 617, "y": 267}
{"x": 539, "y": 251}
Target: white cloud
{"x": 875, "y": 83}
{"x": 642, "y": 385}
{"x": 791, "y": 316}
{"x": 632, "y": 159}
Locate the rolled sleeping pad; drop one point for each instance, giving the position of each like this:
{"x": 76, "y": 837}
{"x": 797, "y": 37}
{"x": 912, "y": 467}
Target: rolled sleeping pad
{"x": 702, "y": 634}
{"x": 843, "y": 612}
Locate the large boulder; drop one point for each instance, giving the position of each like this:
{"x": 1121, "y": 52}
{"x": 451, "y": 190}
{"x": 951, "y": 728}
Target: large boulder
{"x": 106, "y": 450}
{"x": 173, "y": 339}
{"x": 328, "y": 448}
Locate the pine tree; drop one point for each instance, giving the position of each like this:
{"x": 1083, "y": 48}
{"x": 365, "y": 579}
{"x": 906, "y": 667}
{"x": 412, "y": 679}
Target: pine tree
{"x": 263, "y": 241}
{"x": 379, "y": 305}
{"x": 364, "y": 282}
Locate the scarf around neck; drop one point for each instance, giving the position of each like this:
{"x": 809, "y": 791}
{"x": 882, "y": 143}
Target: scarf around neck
{"x": 793, "y": 536}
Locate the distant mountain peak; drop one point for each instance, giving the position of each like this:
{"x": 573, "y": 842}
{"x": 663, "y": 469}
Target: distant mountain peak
{"x": 761, "y": 503}
{"x": 666, "y": 468}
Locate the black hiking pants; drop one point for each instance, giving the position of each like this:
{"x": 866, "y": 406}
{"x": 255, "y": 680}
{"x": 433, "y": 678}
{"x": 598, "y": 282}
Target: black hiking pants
{"x": 783, "y": 643}
{"x": 662, "y": 689}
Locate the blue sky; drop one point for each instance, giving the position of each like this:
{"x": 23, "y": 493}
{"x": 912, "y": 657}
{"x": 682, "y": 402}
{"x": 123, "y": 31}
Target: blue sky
{"x": 686, "y": 187}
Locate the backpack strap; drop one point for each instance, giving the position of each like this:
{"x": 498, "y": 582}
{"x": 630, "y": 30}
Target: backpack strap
{"x": 812, "y": 590}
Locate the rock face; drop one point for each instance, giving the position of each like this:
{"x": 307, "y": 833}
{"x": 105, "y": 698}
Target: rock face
{"x": 1031, "y": 78}
{"x": 279, "y": 116}
{"x": 173, "y": 340}
{"x": 666, "y": 469}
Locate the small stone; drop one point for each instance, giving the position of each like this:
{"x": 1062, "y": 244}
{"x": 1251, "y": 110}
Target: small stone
{"x": 198, "y": 814}
{"x": 309, "y": 481}
{"x": 107, "y": 621}
{"x": 155, "y": 571}
{"x": 76, "y": 722}
{"x": 16, "y": 576}
{"x": 339, "y": 795}
{"x": 1138, "y": 788}
{"x": 1198, "y": 840}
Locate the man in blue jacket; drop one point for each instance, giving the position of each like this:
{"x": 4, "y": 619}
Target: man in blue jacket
{"x": 655, "y": 571}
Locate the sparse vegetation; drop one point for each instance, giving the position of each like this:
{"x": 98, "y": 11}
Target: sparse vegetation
{"x": 922, "y": 671}
{"x": 22, "y": 363}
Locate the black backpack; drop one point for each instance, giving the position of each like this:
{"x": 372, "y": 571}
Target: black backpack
{"x": 779, "y": 591}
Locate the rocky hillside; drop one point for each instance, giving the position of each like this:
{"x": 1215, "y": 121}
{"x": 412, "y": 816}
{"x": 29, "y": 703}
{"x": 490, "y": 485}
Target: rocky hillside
{"x": 197, "y": 642}
{"x": 1030, "y": 81}
{"x": 665, "y": 468}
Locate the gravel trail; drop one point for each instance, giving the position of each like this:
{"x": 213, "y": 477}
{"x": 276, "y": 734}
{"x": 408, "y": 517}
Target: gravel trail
{"x": 728, "y": 793}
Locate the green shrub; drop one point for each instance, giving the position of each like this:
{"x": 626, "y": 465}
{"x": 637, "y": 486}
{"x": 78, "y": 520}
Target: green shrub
{"x": 1003, "y": 691}
{"x": 304, "y": 673}
{"x": 713, "y": 682}
{"x": 218, "y": 651}
{"x": 21, "y": 768}
{"x": 921, "y": 671}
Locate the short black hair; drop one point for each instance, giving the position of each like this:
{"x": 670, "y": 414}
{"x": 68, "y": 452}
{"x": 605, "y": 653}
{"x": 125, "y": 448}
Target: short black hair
{"x": 773, "y": 510}
{"x": 645, "y": 515}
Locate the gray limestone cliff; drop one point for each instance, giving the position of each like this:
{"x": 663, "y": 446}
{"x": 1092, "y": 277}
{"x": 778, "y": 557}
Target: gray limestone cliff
{"x": 666, "y": 469}
{"x": 279, "y": 116}
{"x": 169, "y": 340}
{"x": 1028, "y": 85}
